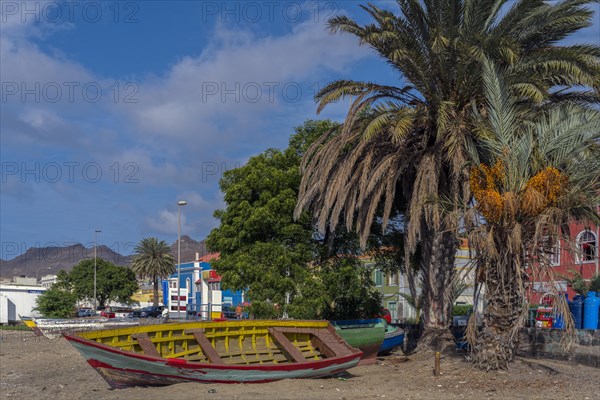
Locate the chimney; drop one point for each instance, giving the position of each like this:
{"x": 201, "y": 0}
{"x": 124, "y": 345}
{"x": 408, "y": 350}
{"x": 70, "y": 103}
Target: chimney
{"x": 197, "y": 256}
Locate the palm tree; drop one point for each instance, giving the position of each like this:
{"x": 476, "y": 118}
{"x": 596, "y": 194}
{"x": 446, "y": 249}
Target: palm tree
{"x": 153, "y": 259}
{"x": 529, "y": 179}
{"x": 403, "y": 149}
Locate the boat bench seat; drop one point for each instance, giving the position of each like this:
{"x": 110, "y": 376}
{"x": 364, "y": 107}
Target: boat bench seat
{"x": 206, "y": 346}
{"x": 288, "y": 346}
{"x": 325, "y": 339}
{"x": 146, "y": 344}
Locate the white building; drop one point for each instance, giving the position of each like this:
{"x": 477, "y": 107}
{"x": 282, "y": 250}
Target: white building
{"x": 47, "y": 281}
{"x": 18, "y": 300}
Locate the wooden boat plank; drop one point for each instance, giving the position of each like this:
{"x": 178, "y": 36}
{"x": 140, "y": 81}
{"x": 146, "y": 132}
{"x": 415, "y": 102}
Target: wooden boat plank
{"x": 207, "y": 347}
{"x": 284, "y": 342}
{"x": 191, "y": 354}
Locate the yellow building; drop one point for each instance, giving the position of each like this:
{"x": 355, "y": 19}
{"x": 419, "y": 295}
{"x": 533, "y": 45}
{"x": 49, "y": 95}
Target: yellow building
{"x": 145, "y": 297}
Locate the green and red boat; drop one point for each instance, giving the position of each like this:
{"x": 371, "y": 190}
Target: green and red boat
{"x": 364, "y": 334}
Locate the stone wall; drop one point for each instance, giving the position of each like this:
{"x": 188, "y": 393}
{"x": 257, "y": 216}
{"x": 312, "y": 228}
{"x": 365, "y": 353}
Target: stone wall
{"x": 546, "y": 343}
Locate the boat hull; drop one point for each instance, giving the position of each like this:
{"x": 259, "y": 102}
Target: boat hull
{"x": 394, "y": 337}
{"x": 121, "y": 368}
{"x": 364, "y": 334}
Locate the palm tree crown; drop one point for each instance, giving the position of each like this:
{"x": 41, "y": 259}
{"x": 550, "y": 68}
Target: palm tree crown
{"x": 529, "y": 178}
{"x": 419, "y": 133}
{"x": 153, "y": 259}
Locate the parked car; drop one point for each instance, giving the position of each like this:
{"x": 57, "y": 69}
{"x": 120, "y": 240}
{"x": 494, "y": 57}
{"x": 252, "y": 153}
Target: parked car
{"x": 116, "y": 312}
{"x": 147, "y": 312}
{"x": 228, "y": 312}
{"x": 85, "y": 312}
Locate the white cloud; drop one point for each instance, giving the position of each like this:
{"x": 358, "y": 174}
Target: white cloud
{"x": 241, "y": 82}
{"x": 166, "y": 222}
{"x": 178, "y": 115}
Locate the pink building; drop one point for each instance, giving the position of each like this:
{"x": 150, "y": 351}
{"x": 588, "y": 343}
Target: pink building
{"x": 580, "y": 254}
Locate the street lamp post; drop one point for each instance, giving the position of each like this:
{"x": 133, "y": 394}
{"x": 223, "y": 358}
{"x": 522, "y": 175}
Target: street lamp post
{"x": 180, "y": 203}
{"x": 95, "y": 263}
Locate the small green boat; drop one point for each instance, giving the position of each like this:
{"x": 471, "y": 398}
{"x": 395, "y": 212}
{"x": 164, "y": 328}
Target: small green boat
{"x": 364, "y": 334}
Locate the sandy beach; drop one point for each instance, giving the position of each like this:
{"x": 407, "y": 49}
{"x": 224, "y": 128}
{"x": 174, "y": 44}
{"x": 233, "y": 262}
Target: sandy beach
{"x": 34, "y": 367}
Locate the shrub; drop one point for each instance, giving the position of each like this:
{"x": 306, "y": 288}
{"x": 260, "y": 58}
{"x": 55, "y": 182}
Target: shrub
{"x": 461, "y": 309}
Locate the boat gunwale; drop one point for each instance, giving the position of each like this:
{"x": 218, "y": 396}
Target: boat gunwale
{"x": 390, "y": 334}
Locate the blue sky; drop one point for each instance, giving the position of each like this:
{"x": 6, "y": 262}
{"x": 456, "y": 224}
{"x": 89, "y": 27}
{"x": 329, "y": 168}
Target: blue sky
{"x": 112, "y": 111}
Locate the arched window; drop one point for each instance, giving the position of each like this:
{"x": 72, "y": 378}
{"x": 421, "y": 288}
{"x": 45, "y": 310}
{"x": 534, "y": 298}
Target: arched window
{"x": 586, "y": 246}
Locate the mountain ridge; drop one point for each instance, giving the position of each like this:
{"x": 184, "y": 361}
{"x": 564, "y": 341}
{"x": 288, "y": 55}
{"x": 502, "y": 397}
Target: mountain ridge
{"x": 40, "y": 261}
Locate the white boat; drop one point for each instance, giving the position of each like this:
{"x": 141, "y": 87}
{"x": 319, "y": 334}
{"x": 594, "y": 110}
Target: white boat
{"x": 53, "y": 328}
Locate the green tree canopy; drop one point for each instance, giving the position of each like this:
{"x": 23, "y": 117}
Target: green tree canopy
{"x": 113, "y": 283}
{"x": 56, "y": 302}
{"x": 277, "y": 259}
{"x": 153, "y": 259}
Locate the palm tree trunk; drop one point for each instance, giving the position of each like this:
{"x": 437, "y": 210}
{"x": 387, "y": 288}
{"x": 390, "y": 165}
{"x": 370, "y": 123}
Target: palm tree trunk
{"x": 496, "y": 343}
{"x": 439, "y": 254}
{"x": 155, "y": 303}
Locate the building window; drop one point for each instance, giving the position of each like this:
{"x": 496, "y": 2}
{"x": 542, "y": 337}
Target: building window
{"x": 393, "y": 278}
{"x": 378, "y": 277}
{"x": 586, "y": 246}
{"x": 551, "y": 251}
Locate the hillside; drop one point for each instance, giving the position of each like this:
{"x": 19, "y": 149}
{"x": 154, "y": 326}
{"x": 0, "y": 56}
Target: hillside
{"x": 189, "y": 248}
{"x": 39, "y": 261}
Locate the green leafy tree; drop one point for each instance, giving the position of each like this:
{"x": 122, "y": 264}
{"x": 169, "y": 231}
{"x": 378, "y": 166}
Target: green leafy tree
{"x": 351, "y": 290}
{"x": 405, "y": 147}
{"x": 277, "y": 259}
{"x": 56, "y": 302}
{"x": 153, "y": 259}
{"x": 113, "y": 283}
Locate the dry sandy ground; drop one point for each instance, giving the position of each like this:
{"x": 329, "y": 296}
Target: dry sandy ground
{"x": 38, "y": 368}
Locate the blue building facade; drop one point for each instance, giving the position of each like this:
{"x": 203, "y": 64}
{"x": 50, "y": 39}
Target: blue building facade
{"x": 200, "y": 290}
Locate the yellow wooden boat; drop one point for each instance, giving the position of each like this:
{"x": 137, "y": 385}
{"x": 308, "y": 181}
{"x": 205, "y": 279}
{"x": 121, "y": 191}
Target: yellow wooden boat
{"x": 224, "y": 352}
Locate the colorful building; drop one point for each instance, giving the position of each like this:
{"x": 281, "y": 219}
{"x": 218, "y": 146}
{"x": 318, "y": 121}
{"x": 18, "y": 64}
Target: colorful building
{"x": 388, "y": 285}
{"x": 145, "y": 296}
{"x": 579, "y": 253}
{"x": 394, "y": 286}
{"x": 200, "y": 290}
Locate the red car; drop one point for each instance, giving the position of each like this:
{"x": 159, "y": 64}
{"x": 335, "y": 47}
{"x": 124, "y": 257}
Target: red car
{"x": 107, "y": 313}
{"x": 385, "y": 314}
{"x": 116, "y": 312}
